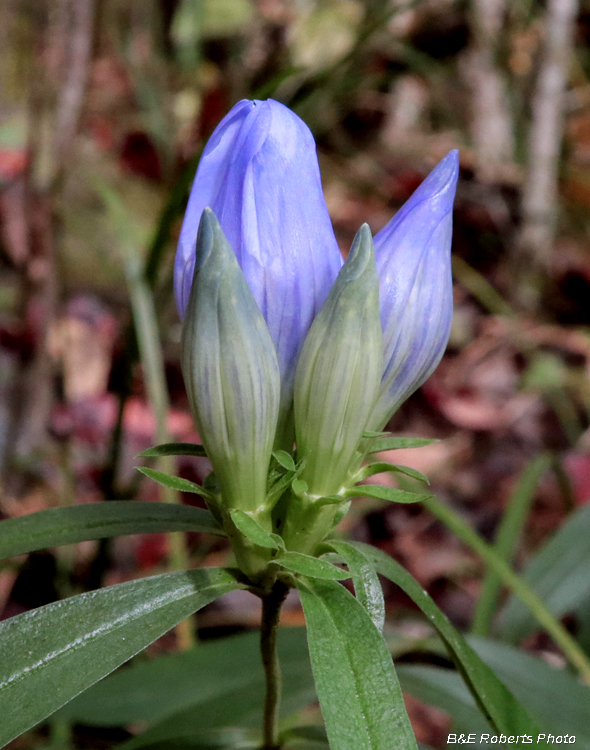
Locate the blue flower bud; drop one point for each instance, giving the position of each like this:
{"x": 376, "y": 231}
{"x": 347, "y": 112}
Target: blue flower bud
{"x": 415, "y": 288}
{"x": 339, "y": 372}
{"x": 231, "y": 373}
{"x": 259, "y": 174}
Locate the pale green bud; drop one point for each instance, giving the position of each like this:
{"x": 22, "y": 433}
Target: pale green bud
{"x": 339, "y": 372}
{"x": 231, "y": 372}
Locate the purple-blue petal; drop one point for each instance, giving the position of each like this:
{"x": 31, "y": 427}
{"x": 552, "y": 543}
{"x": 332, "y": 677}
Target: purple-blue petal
{"x": 415, "y": 287}
{"x": 260, "y": 175}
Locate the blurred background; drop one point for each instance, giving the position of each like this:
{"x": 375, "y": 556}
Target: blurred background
{"x": 105, "y": 106}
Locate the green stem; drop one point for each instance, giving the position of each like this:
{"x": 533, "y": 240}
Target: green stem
{"x": 271, "y": 611}
{"x": 515, "y": 583}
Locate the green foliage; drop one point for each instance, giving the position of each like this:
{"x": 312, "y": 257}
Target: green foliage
{"x": 382, "y": 492}
{"x": 559, "y": 574}
{"x": 191, "y": 695}
{"x": 175, "y": 483}
{"x": 174, "y": 449}
{"x": 394, "y": 443}
{"x": 307, "y": 565}
{"x": 49, "y": 655}
{"x": 359, "y": 693}
{"x": 51, "y": 528}
{"x": 498, "y": 705}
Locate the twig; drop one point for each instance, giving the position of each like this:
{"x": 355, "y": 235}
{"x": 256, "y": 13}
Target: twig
{"x": 491, "y": 119}
{"x": 540, "y": 196}
{"x": 71, "y": 95}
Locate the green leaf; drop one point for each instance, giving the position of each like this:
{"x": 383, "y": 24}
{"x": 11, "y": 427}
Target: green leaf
{"x": 359, "y": 694}
{"x": 49, "y": 655}
{"x": 555, "y": 699}
{"x": 176, "y": 483}
{"x": 216, "y": 684}
{"x": 307, "y": 565}
{"x": 51, "y": 528}
{"x": 299, "y": 487}
{"x": 513, "y": 520}
{"x": 224, "y": 738}
{"x": 393, "y": 443}
{"x": 381, "y": 492}
{"x": 253, "y": 531}
{"x": 365, "y": 580}
{"x": 174, "y": 449}
{"x": 445, "y": 689}
{"x": 368, "y": 434}
{"x": 498, "y": 705}
{"x": 285, "y": 460}
{"x": 381, "y": 467}
{"x": 559, "y": 573}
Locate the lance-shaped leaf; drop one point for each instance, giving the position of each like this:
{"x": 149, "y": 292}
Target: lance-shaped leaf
{"x": 359, "y": 693}
{"x": 499, "y": 706}
{"x": 339, "y": 371}
{"x": 57, "y": 526}
{"x": 49, "y": 655}
{"x": 230, "y": 371}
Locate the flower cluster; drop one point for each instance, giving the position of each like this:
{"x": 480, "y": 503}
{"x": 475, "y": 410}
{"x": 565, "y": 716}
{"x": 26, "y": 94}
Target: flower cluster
{"x": 282, "y": 342}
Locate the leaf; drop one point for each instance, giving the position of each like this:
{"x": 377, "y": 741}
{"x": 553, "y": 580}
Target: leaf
{"x": 445, "y": 689}
{"x": 555, "y": 699}
{"x": 49, "y": 655}
{"x": 253, "y": 531}
{"x": 380, "y": 467}
{"x": 365, "y": 580}
{"x": 393, "y": 443}
{"x": 498, "y": 705}
{"x": 559, "y": 573}
{"x": 297, "y": 562}
{"x": 174, "y": 449}
{"x": 381, "y": 492}
{"x": 224, "y": 738}
{"x": 299, "y": 487}
{"x": 513, "y": 520}
{"x": 285, "y": 460}
{"x": 359, "y": 694}
{"x": 176, "y": 483}
{"x": 51, "y": 528}
{"x": 216, "y": 684}
{"x": 368, "y": 434}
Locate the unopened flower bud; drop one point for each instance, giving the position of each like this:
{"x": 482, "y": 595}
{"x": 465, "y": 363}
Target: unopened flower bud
{"x": 339, "y": 372}
{"x": 416, "y": 294}
{"x": 230, "y": 371}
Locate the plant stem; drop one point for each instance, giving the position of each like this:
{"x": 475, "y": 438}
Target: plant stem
{"x": 271, "y": 611}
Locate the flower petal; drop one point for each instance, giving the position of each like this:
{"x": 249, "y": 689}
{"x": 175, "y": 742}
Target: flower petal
{"x": 259, "y": 174}
{"x": 415, "y": 287}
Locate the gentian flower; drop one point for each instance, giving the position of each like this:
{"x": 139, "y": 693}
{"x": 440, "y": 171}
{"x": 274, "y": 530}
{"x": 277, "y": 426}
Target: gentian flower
{"x": 415, "y": 288}
{"x": 260, "y": 175}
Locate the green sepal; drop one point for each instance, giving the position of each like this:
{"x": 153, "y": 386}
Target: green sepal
{"x": 369, "y": 434}
{"x": 175, "y": 483}
{"x": 174, "y": 449}
{"x": 395, "y": 443}
{"x": 285, "y": 460}
{"x": 253, "y": 531}
{"x": 382, "y": 467}
{"x": 230, "y": 370}
{"x": 381, "y": 492}
{"x": 282, "y": 483}
{"x": 339, "y": 371}
{"x": 306, "y": 565}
